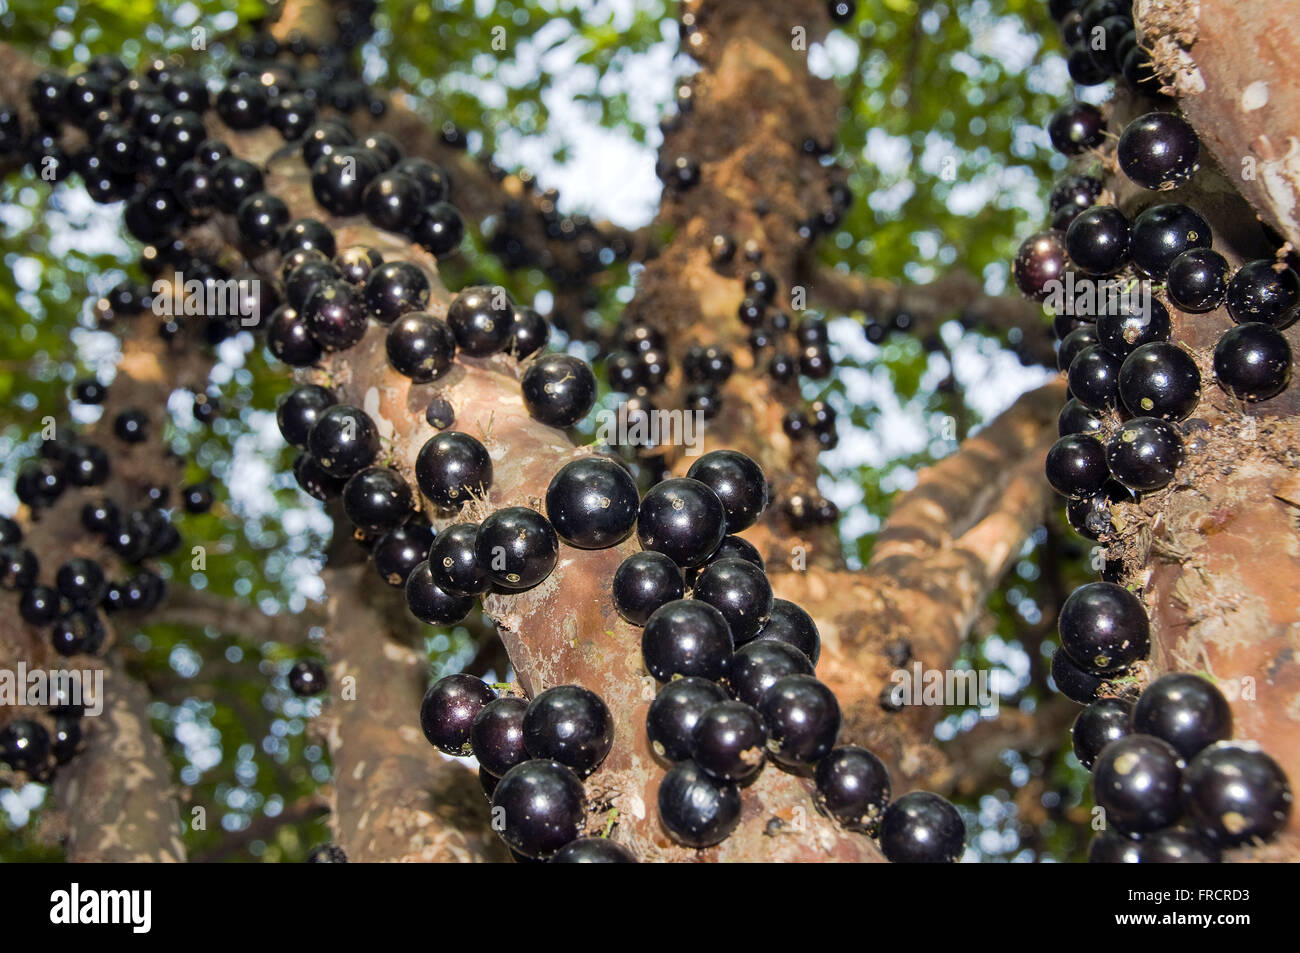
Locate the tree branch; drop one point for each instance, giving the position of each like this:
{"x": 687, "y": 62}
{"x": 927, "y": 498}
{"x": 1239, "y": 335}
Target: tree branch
{"x": 198, "y": 608}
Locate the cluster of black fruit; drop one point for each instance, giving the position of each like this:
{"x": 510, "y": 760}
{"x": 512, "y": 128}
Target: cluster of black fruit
{"x": 1102, "y": 43}
{"x": 1172, "y": 784}
{"x": 71, "y": 608}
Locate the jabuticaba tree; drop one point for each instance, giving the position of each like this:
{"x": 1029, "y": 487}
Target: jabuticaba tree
{"x": 681, "y": 692}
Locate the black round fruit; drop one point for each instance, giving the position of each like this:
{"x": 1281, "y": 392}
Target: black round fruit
{"x": 234, "y": 180}
{"x": 307, "y": 678}
{"x": 517, "y": 547}
{"x": 324, "y": 138}
{"x": 482, "y": 318}
{"x": 1162, "y": 233}
{"x": 683, "y": 519}
{"x": 593, "y": 850}
{"x": 1097, "y": 240}
{"x": 1075, "y": 343}
{"x": 1177, "y": 845}
{"x": 1160, "y": 380}
{"x": 1104, "y": 627}
{"x": 377, "y": 500}
{"x": 1104, "y": 721}
{"x": 1075, "y": 128}
{"x": 439, "y": 230}
{"x": 39, "y": 605}
{"x": 343, "y": 440}
{"x": 454, "y": 562}
{"x": 592, "y": 503}
{"x": 78, "y": 632}
{"x": 1076, "y": 466}
{"x": 18, "y": 567}
{"x": 1112, "y": 847}
{"x": 793, "y": 626}
{"x": 740, "y": 591}
{"x": 25, "y": 745}
{"x": 307, "y": 233}
{"x": 922, "y": 828}
{"x": 339, "y": 179}
{"x": 672, "y": 716}
{"x": 393, "y": 201}
{"x": 448, "y": 710}
{"x": 758, "y": 666}
{"x": 1236, "y": 793}
{"x": 1184, "y": 710}
{"x": 300, "y": 410}
{"x": 1253, "y": 361}
{"x": 1198, "y": 280}
{"x": 853, "y": 788}
{"x": 131, "y": 426}
{"x": 559, "y": 389}
{"x": 420, "y": 346}
{"x": 1264, "y": 291}
{"x": 431, "y": 604}
{"x": 1136, "y": 782}
{"x": 571, "y": 725}
{"x": 289, "y": 338}
{"x": 394, "y": 288}
{"x": 686, "y": 637}
{"x": 803, "y": 719}
{"x": 1130, "y": 324}
{"x": 1158, "y": 150}
{"x": 497, "y": 735}
{"x": 643, "y": 582}
{"x": 739, "y": 483}
{"x": 729, "y": 741}
{"x": 542, "y": 807}
{"x": 335, "y": 315}
{"x": 451, "y": 467}
{"x": 1145, "y": 453}
{"x": 1077, "y": 419}
{"x": 397, "y": 553}
{"x": 696, "y": 809}
{"x": 81, "y": 582}
{"x": 1094, "y": 378}
{"x": 528, "y": 334}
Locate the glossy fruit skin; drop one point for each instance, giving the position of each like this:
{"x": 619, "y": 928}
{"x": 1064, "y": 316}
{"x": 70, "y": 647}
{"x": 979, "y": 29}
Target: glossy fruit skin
{"x": 291, "y": 115}
{"x": 1236, "y": 794}
{"x": 571, "y": 725}
{"x": 39, "y": 605}
{"x": 543, "y": 807}
{"x": 81, "y": 582}
{"x": 740, "y": 591}
{"x": 643, "y": 582}
{"x": 335, "y": 315}
{"x": 1198, "y": 280}
{"x": 674, "y": 713}
{"x": 1129, "y": 326}
{"x": 1104, "y": 627}
{"x": 260, "y": 218}
{"x": 308, "y": 233}
{"x": 67, "y": 738}
{"x": 528, "y": 334}
{"x": 448, "y": 710}
{"x": 234, "y": 180}
{"x": 1091, "y": 516}
{"x": 1136, "y": 781}
{"x": 300, "y": 410}
{"x": 739, "y": 483}
{"x": 1097, "y": 240}
{"x": 592, "y": 503}
{"x": 1076, "y": 466}
{"x": 307, "y": 678}
{"x": 1253, "y": 361}
{"x": 853, "y": 788}
{"x": 686, "y": 637}
{"x": 1145, "y": 453}
{"x": 593, "y": 850}
{"x": 1162, "y": 233}
{"x": 24, "y": 745}
{"x": 792, "y": 625}
{"x": 759, "y": 665}
{"x": 517, "y": 547}
{"x": 1077, "y": 419}
{"x": 1112, "y": 847}
{"x": 1077, "y": 192}
{"x": 303, "y": 279}
{"x": 695, "y": 809}
{"x": 1158, "y": 149}
{"x": 1104, "y": 721}
{"x": 393, "y": 201}
{"x": 728, "y": 741}
{"x": 429, "y": 603}
{"x": 922, "y": 828}
{"x": 803, "y": 720}
{"x": 343, "y": 440}
{"x": 339, "y": 179}
{"x": 1260, "y": 292}
{"x": 736, "y": 547}
{"x": 397, "y": 553}
{"x": 497, "y": 735}
{"x": 131, "y": 426}
{"x": 197, "y": 498}
{"x": 453, "y": 562}
{"x": 683, "y": 519}
{"x": 355, "y": 264}
{"x": 1094, "y": 378}
{"x": 451, "y": 467}
{"x": 394, "y": 288}
{"x": 77, "y": 632}
{"x": 377, "y": 500}
{"x": 439, "y": 230}
{"x": 420, "y": 346}
{"x": 18, "y": 567}
{"x": 1074, "y": 344}
{"x": 1160, "y": 380}
{"x": 482, "y": 318}
{"x": 1177, "y": 845}
{"x": 288, "y": 337}
{"x": 1185, "y": 710}
{"x": 1075, "y": 128}
{"x": 559, "y": 389}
